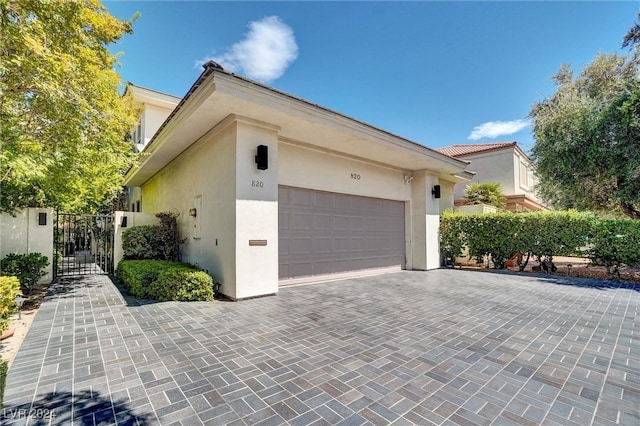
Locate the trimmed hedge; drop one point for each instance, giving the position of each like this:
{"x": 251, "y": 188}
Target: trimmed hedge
{"x": 543, "y": 235}
{"x": 616, "y": 243}
{"x": 9, "y": 289}
{"x": 163, "y": 280}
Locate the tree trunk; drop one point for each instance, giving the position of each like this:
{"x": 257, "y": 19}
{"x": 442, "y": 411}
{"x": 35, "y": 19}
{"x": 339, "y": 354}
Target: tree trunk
{"x": 629, "y": 210}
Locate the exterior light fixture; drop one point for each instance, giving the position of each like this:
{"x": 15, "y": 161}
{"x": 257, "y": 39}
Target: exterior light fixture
{"x": 18, "y": 301}
{"x": 193, "y": 212}
{"x": 436, "y": 191}
{"x": 262, "y": 157}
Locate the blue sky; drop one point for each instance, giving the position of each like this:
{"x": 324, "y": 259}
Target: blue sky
{"x": 437, "y": 73}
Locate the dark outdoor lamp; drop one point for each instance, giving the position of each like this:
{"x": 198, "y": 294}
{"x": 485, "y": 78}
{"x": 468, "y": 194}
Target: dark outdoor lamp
{"x": 436, "y": 191}
{"x": 262, "y": 157}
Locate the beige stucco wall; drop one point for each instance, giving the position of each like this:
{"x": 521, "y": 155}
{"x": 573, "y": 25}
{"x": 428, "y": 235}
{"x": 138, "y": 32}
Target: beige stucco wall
{"x": 495, "y": 166}
{"x": 22, "y": 234}
{"x": 256, "y": 211}
{"x": 311, "y": 168}
{"x": 424, "y": 213}
{"x": 152, "y": 118}
{"x": 204, "y": 174}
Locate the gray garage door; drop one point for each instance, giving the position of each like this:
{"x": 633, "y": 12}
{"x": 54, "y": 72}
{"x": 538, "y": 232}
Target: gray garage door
{"x": 324, "y": 232}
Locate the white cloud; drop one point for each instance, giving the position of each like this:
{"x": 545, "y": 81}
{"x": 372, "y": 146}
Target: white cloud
{"x": 265, "y": 53}
{"x": 494, "y": 129}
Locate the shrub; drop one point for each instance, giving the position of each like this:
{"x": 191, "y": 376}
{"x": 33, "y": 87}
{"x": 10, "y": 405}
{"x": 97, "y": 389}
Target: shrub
{"x": 185, "y": 284}
{"x": 168, "y": 233}
{"x": 4, "y": 367}
{"x": 9, "y": 289}
{"x": 138, "y": 275}
{"x": 29, "y": 268}
{"x": 159, "y": 242}
{"x": 615, "y": 242}
{"x": 163, "y": 280}
{"x": 502, "y": 235}
{"x": 142, "y": 242}
{"x": 485, "y": 193}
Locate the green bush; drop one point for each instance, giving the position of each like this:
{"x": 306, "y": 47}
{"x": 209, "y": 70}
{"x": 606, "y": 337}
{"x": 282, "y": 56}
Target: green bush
{"x": 142, "y": 242}
{"x": 138, "y": 275}
{"x": 9, "y": 289}
{"x": 4, "y": 367}
{"x": 615, "y": 243}
{"x": 183, "y": 283}
{"x": 502, "y": 235}
{"x": 163, "y": 280}
{"x": 29, "y": 268}
{"x": 159, "y": 242}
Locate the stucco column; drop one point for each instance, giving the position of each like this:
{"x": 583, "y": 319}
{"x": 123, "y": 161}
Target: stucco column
{"x": 256, "y": 210}
{"x": 425, "y": 222}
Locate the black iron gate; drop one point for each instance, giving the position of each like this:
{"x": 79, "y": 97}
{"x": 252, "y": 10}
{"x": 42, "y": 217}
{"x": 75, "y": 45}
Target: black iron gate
{"x": 83, "y": 244}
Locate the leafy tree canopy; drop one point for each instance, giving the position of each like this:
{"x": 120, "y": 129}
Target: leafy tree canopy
{"x": 587, "y": 136}
{"x": 63, "y": 120}
{"x": 489, "y": 193}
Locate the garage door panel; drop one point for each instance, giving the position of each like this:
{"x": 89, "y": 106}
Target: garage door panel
{"x": 323, "y": 232}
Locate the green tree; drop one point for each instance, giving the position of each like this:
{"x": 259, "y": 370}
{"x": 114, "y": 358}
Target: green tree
{"x": 485, "y": 193}
{"x": 63, "y": 121}
{"x": 587, "y": 136}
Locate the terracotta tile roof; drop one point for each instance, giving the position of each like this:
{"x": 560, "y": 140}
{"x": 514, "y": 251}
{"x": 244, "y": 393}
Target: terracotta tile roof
{"x": 461, "y": 150}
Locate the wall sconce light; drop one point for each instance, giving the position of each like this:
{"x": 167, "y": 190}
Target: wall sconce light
{"x": 123, "y": 222}
{"x": 193, "y": 212}
{"x": 18, "y": 301}
{"x": 42, "y": 219}
{"x": 262, "y": 157}
{"x": 436, "y": 191}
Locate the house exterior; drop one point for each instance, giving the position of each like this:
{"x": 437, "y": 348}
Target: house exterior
{"x": 156, "y": 107}
{"x": 274, "y": 190}
{"x": 504, "y": 163}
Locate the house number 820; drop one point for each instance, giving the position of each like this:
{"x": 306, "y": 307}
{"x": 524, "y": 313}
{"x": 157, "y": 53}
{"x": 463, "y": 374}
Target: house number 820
{"x": 257, "y": 183}
{"x": 355, "y": 176}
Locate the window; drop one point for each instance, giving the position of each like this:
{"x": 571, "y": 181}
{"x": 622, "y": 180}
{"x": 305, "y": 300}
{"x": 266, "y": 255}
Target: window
{"x": 524, "y": 176}
{"x": 136, "y": 136}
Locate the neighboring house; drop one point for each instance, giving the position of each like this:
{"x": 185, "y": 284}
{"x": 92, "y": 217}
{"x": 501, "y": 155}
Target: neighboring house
{"x": 504, "y": 163}
{"x": 156, "y": 107}
{"x": 274, "y": 190}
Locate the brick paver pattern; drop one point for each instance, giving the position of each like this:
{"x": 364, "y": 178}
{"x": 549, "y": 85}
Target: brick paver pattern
{"x": 439, "y": 347}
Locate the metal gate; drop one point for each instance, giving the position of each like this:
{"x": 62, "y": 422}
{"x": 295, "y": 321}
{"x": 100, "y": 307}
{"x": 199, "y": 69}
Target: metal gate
{"x": 83, "y": 244}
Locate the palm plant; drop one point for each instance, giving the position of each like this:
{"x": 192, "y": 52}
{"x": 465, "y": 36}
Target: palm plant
{"x": 485, "y": 193}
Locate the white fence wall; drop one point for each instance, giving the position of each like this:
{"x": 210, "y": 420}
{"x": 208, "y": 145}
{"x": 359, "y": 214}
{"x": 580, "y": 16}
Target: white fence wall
{"x": 24, "y": 234}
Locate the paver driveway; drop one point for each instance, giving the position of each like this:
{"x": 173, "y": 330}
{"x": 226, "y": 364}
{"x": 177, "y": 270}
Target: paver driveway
{"x": 443, "y": 347}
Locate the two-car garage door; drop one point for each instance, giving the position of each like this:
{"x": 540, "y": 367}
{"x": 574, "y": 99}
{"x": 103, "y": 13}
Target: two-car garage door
{"x": 324, "y": 232}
